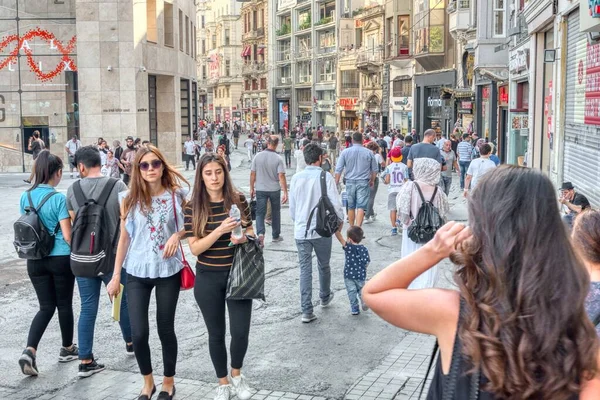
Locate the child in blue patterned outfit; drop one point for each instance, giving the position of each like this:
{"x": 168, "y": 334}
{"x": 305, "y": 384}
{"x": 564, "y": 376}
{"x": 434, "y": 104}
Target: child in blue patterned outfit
{"x": 355, "y": 266}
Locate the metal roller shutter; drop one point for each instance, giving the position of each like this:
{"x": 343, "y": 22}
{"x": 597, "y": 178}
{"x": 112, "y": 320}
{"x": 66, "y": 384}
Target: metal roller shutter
{"x": 581, "y": 163}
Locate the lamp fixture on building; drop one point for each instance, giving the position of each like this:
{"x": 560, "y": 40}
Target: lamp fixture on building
{"x": 549, "y": 55}
{"x": 142, "y": 68}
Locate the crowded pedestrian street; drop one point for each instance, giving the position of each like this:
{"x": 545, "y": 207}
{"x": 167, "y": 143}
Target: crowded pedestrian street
{"x": 338, "y": 356}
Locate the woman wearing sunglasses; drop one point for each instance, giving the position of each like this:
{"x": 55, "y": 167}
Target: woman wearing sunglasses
{"x": 209, "y": 227}
{"x": 151, "y": 219}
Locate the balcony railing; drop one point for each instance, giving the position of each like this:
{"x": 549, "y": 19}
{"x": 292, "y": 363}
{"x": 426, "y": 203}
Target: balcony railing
{"x": 349, "y": 91}
{"x": 285, "y": 55}
{"x": 369, "y": 57}
{"x": 454, "y": 5}
{"x": 324, "y": 21}
{"x": 253, "y": 68}
{"x": 284, "y": 30}
{"x": 326, "y": 50}
{"x": 304, "y": 79}
{"x": 286, "y": 80}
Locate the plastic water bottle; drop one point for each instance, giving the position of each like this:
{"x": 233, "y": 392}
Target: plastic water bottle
{"x": 344, "y": 198}
{"x": 235, "y": 213}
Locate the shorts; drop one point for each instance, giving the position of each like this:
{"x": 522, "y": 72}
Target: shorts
{"x": 358, "y": 194}
{"x": 392, "y": 201}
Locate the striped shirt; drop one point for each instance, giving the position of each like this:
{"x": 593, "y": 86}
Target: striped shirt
{"x": 220, "y": 254}
{"x": 465, "y": 151}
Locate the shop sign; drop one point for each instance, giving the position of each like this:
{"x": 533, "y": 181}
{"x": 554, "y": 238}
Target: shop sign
{"x": 210, "y": 107}
{"x": 227, "y": 114}
{"x": 431, "y": 102}
{"x": 325, "y": 106}
{"x": 237, "y": 114}
{"x": 485, "y": 93}
{"x": 283, "y": 93}
{"x": 594, "y": 6}
{"x": 587, "y": 84}
{"x": 254, "y": 111}
{"x": 465, "y": 107}
{"x": 503, "y": 96}
{"x": 404, "y": 104}
{"x": 385, "y": 100}
{"x": 306, "y": 117}
{"x": 214, "y": 65}
{"x": 519, "y": 61}
{"x": 348, "y": 103}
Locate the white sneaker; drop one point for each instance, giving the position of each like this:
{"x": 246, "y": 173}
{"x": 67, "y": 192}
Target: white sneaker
{"x": 240, "y": 387}
{"x": 223, "y": 392}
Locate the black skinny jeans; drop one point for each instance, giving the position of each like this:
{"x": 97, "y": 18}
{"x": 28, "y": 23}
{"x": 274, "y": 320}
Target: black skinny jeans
{"x": 209, "y": 291}
{"x": 139, "y": 291}
{"x": 288, "y": 157}
{"x": 53, "y": 282}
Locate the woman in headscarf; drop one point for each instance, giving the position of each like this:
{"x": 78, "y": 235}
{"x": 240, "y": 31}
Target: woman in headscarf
{"x": 477, "y": 148}
{"x": 426, "y": 172}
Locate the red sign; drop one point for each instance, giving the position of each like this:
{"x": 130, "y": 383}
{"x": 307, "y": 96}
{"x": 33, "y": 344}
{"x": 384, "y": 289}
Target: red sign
{"x": 227, "y": 115}
{"x": 485, "y": 92}
{"x": 503, "y": 94}
{"x": 348, "y": 103}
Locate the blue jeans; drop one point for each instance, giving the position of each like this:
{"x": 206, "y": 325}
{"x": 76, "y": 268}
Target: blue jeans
{"x": 464, "y": 166}
{"x": 358, "y": 194}
{"x": 353, "y": 287}
{"x": 322, "y": 248}
{"x": 261, "y": 211}
{"x": 89, "y": 291}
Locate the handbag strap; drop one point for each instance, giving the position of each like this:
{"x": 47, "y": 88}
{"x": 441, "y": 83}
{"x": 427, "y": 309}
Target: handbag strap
{"x": 177, "y": 226}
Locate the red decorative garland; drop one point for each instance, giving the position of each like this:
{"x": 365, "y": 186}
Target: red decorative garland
{"x": 48, "y": 37}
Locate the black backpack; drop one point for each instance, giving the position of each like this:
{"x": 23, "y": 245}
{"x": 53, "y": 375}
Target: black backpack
{"x": 428, "y": 220}
{"x": 91, "y": 241}
{"x": 32, "y": 239}
{"x": 328, "y": 222}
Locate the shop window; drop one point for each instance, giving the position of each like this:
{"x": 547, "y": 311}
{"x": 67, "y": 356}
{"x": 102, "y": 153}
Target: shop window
{"x": 498, "y": 15}
{"x": 304, "y": 95}
{"x": 402, "y": 88}
{"x": 523, "y": 95}
{"x": 151, "y": 31}
{"x": 168, "y": 25}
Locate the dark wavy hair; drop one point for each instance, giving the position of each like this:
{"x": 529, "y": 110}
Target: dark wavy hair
{"x": 525, "y": 325}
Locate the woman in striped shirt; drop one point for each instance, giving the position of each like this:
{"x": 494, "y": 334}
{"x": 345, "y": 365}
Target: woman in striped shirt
{"x": 208, "y": 227}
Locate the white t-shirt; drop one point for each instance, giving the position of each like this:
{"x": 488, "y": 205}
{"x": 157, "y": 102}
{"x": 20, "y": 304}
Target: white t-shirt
{"x": 249, "y": 144}
{"x": 300, "y": 161}
{"x": 388, "y": 140}
{"x": 478, "y": 168}
{"x": 398, "y": 173}
{"x": 379, "y": 159}
{"x": 190, "y": 148}
{"x": 73, "y": 146}
{"x": 398, "y": 142}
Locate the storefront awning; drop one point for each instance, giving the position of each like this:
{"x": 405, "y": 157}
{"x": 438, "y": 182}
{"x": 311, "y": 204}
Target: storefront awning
{"x": 457, "y": 93}
{"x": 246, "y": 51}
{"x": 261, "y": 50}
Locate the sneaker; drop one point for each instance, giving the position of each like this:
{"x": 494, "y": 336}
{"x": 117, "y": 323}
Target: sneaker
{"x": 308, "y": 318}
{"x": 364, "y": 305}
{"x": 67, "y": 355}
{"x": 87, "y": 370}
{"x": 394, "y": 231}
{"x": 268, "y": 222}
{"x": 278, "y": 239}
{"x": 223, "y": 392}
{"x": 326, "y": 303}
{"x": 71, "y": 176}
{"x": 355, "y": 310}
{"x": 129, "y": 349}
{"x": 368, "y": 220}
{"x": 261, "y": 240}
{"x": 27, "y": 363}
{"x": 240, "y": 387}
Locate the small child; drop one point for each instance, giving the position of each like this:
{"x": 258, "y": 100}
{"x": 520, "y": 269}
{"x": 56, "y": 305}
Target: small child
{"x": 355, "y": 267}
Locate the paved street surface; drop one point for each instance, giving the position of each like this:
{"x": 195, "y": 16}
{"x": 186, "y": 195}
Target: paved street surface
{"x": 339, "y": 356}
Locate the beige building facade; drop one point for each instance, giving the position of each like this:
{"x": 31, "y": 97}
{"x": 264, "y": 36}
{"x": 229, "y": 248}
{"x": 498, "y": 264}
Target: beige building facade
{"x": 96, "y": 69}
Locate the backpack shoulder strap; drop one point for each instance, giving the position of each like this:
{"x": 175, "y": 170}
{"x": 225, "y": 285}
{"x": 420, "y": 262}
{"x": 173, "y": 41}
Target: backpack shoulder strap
{"x": 44, "y": 200}
{"x": 436, "y": 347}
{"x": 323, "y": 184}
{"x": 31, "y": 207}
{"x": 106, "y": 191}
{"x": 434, "y": 193}
{"x": 420, "y": 192}
{"x": 79, "y": 195}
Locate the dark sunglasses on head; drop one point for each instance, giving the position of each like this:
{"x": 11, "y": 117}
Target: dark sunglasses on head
{"x": 156, "y": 164}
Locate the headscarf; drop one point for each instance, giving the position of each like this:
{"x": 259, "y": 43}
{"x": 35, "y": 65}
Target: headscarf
{"x": 480, "y": 142}
{"x": 426, "y": 171}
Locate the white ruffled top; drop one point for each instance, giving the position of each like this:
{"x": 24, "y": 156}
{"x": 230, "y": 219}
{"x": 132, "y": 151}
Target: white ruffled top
{"x": 149, "y": 232}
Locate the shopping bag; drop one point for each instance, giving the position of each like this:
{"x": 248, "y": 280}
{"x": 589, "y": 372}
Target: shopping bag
{"x": 247, "y": 277}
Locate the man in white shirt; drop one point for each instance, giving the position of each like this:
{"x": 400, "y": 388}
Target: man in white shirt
{"x": 189, "y": 148}
{"x": 249, "y": 145}
{"x": 305, "y": 192}
{"x": 72, "y": 146}
{"x": 479, "y": 167}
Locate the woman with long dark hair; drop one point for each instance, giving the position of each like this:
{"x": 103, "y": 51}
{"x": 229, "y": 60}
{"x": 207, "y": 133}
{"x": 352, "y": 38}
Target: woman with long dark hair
{"x": 148, "y": 249}
{"x": 51, "y": 276}
{"x": 586, "y": 240}
{"x": 209, "y": 227}
{"x": 518, "y": 317}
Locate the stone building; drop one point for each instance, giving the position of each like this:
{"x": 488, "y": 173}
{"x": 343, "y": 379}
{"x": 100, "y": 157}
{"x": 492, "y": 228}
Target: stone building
{"x": 108, "y": 69}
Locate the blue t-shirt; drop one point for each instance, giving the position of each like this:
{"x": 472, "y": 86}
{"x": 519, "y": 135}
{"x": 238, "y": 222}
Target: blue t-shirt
{"x": 54, "y": 211}
{"x": 357, "y": 259}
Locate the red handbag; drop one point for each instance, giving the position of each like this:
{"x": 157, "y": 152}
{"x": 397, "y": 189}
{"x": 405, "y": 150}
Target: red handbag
{"x": 188, "y": 278}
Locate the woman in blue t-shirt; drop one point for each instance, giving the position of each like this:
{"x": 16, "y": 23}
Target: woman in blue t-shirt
{"x": 51, "y": 276}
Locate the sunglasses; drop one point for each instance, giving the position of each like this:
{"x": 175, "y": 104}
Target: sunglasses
{"x": 145, "y": 166}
